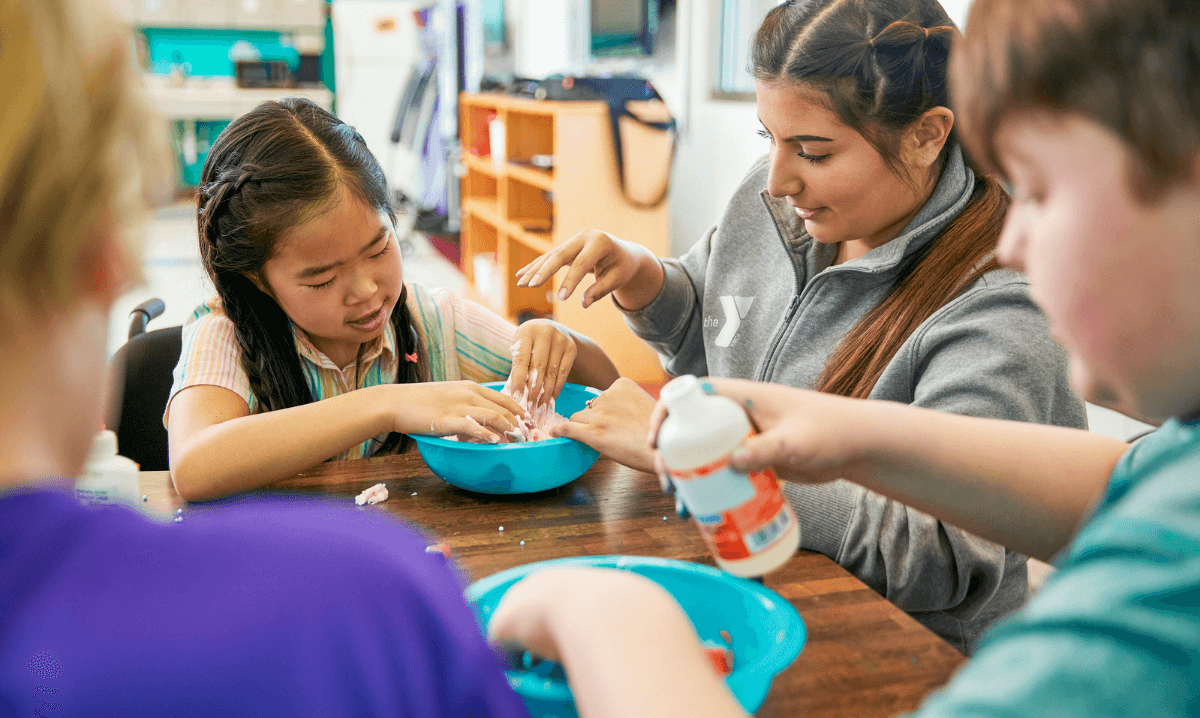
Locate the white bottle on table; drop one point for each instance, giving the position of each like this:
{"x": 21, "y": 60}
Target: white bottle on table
{"x": 746, "y": 522}
{"x": 108, "y": 478}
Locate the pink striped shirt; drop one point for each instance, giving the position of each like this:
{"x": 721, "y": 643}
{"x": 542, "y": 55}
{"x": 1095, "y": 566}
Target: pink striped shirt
{"x": 462, "y": 340}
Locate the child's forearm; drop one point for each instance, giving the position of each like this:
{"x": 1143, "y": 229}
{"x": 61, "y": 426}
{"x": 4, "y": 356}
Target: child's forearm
{"x": 627, "y": 646}
{"x": 252, "y": 451}
{"x": 648, "y": 663}
{"x": 592, "y": 367}
{"x": 1025, "y": 486}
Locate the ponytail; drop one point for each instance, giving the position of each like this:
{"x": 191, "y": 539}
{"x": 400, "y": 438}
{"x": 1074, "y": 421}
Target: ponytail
{"x": 961, "y": 253}
{"x": 881, "y": 65}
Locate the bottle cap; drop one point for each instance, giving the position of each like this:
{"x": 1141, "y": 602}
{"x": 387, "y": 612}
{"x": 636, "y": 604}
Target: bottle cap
{"x": 104, "y": 445}
{"x": 680, "y": 390}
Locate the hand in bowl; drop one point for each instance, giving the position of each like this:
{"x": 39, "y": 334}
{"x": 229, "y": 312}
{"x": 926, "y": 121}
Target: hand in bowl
{"x": 615, "y": 424}
{"x": 543, "y": 354}
{"x": 461, "y": 408}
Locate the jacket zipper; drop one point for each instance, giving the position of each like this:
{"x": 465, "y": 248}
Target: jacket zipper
{"x": 794, "y": 305}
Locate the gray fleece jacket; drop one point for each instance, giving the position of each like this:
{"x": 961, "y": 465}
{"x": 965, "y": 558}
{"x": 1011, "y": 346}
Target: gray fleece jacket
{"x": 757, "y": 298}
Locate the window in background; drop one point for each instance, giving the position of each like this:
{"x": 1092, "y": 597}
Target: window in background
{"x": 623, "y": 27}
{"x": 737, "y": 20}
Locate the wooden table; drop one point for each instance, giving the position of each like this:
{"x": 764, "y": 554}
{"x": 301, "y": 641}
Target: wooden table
{"x": 864, "y": 657}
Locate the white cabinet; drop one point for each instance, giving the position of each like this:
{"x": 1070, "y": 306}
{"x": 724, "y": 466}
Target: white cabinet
{"x": 254, "y": 13}
{"x": 159, "y": 13}
{"x": 209, "y": 13}
{"x": 300, "y": 13}
{"x": 375, "y": 49}
{"x": 285, "y": 15}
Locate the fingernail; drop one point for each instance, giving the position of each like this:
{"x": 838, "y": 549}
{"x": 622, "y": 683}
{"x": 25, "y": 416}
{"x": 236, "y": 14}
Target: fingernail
{"x": 562, "y": 294}
{"x": 665, "y": 483}
{"x": 739, "y": 456}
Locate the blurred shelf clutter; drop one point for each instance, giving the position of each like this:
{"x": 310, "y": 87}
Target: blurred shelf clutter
{"x": 209, "y": 61}
{"x": 515, "y": 208}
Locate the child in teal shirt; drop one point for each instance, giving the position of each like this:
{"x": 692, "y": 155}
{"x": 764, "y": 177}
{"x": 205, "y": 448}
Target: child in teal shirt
{"x": 1090, "y": 110}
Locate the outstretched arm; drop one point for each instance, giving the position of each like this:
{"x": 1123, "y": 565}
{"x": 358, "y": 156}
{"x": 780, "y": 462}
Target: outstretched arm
{"x": 628, "y": 648}
{"x": 1025, "y": 486}
{"x": 218, "y": 448}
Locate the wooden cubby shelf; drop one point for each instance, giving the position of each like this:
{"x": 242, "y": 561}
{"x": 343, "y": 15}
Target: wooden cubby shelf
{"x": 517, "y": 210}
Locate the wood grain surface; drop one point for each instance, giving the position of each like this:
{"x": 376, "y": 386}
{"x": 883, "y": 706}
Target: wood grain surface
{"x": 864, "y": 657}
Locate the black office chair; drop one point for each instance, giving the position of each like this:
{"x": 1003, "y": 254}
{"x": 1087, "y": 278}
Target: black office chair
{"x": 140, "y": 377}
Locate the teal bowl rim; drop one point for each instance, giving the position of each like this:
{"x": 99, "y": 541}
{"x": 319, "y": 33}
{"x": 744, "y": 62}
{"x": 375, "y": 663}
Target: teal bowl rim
{"x": 471, "y": 446}
{"x": 768, "y": 665}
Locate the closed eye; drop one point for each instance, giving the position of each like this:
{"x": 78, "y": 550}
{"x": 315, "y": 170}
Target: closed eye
{"x": 815, "y": 159}
{"x": 383, "y": 251}
{"x": 322, "y": 285}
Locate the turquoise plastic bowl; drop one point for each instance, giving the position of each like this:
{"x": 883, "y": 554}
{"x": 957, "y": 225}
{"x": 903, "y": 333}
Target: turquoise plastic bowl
{"x": 513, "y": 468}
{"x": 766, "y": 631}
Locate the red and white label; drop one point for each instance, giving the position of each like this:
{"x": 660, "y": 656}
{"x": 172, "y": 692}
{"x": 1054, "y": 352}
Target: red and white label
{"x": 739, "y": 515}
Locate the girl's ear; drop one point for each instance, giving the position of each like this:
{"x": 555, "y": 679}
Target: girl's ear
{"x": 928, "y": 135}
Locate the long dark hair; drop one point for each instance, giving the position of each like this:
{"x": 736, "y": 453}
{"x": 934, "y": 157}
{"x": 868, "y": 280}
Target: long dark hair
{"x": 267, "y": 173}
{"x": 881, "y": 64}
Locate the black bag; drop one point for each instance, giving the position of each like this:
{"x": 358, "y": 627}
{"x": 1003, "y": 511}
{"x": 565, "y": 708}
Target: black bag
{"x": 616, "y": 91}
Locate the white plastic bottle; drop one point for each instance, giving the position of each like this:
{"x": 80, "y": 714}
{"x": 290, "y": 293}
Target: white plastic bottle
{"x": 745, "y": 521}
{"x": 108, "y": 478}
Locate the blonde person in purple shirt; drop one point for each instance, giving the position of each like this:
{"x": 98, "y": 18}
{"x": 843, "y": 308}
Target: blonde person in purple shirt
{"x": 261, "y": 607}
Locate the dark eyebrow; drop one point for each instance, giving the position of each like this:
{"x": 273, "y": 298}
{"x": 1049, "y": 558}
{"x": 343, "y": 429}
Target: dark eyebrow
{"x": 314, "y": 271}
{"x": 802, "y": 138}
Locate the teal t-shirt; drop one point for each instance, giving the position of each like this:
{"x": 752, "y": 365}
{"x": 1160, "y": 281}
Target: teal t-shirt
{"x": 1116, "y": 630}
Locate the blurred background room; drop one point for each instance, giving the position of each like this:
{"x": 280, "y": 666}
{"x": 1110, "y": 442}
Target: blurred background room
{"x": 483, "y": 182}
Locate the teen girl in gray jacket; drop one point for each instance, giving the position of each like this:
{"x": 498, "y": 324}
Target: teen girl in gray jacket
{"x": 805, "y": 283}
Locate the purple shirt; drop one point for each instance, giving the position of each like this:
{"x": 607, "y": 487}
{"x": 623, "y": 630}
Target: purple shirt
{"x": 255, "y": 607}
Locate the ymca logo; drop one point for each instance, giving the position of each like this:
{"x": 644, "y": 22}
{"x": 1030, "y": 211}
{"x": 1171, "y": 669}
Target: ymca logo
{"x": 736, "y": 309}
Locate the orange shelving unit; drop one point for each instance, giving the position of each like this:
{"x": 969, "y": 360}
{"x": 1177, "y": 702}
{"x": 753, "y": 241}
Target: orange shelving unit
{"x": 513, "y": 211}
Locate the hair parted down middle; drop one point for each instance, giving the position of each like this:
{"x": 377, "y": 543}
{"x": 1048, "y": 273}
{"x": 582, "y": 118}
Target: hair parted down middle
{"x": 880, "y": 65}
{"x": 270, "y": 170}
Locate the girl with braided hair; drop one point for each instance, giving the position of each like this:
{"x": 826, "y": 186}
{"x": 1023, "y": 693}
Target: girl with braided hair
{"x": 857, "y": 259}
{"x": 315, "y": 347}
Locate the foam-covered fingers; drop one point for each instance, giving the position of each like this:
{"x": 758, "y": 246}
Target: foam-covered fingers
{"x": 495, "y": 423}
{"x": 522, "y": 350}
{"x": 557, "y": 379}
{"x": 472, "y": 427}
{"x": 538, "y": 360}
{"x": 502, "y": 404}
